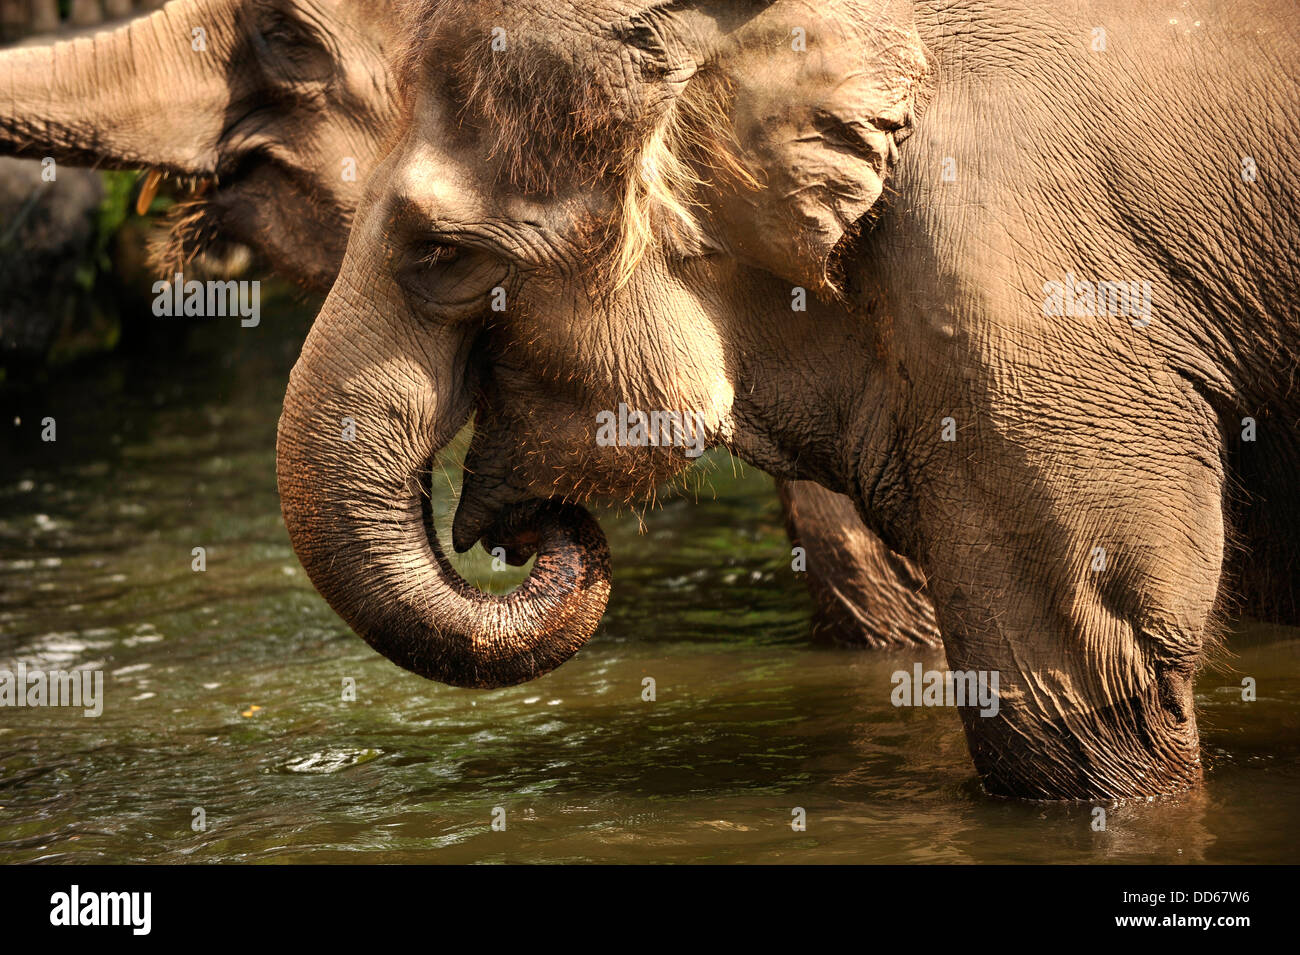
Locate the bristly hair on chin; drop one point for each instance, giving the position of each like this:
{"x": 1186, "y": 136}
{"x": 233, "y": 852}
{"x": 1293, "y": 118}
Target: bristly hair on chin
{"x": 185, "y": 232}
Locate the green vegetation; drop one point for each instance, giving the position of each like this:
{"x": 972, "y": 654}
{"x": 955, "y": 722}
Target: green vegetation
{"x": 111, "y": 216}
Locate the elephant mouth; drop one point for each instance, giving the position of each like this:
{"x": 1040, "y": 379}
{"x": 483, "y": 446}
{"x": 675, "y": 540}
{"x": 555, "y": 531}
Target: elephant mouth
{"x": 188, "y": 185}
{"x": 192, "y": 225}
{"x": 501, "y": 472}
{"x": 191, "y": 228}
{"x": 213, "y": 213}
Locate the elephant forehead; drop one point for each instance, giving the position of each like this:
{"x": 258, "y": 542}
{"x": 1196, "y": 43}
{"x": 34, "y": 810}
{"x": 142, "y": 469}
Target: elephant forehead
{"x": 577, "y": 66}
{"x": 566, "y": 48}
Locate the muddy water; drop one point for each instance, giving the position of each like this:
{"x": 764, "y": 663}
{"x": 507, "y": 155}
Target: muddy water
{"x": 224, "y": 688}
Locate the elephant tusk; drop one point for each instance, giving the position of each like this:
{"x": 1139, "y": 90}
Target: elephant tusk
{"x": 148, "y": 191}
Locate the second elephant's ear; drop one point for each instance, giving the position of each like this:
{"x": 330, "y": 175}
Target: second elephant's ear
{"x": 817, "y": 94}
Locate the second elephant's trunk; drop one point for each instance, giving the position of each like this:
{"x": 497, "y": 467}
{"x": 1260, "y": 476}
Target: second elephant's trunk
{"x": 97, "y": 100}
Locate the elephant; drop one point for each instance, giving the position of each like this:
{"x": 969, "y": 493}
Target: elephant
{"x": 916, "y": 253}
{"x": 864, "y": 594}
{"x": 276, "y": 184}
{"x": 267, "y": 113}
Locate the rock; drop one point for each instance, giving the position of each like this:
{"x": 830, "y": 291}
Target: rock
{"x": 47, "y": 230}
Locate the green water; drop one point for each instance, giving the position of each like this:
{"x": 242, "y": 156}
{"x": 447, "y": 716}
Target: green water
{"x": 157, "y": 456}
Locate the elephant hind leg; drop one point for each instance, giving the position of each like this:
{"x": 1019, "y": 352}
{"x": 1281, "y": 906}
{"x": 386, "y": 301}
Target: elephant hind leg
{"x": 864, "y": 594}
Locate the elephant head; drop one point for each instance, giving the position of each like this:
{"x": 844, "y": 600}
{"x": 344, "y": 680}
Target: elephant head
{"x": 588, "y": 216}
{"x": 272, "y": 111}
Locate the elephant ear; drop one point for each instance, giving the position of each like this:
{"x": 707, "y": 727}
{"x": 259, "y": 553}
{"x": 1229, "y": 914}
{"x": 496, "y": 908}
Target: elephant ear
{"x": 819, "y": 95}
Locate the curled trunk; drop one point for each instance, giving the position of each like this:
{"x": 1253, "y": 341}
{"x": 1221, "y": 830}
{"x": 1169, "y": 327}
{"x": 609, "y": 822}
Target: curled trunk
{"x": 372, "y": 398}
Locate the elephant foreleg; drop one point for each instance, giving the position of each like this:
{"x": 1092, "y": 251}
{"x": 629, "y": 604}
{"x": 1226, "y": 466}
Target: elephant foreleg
{"x": 1083, "y": 592}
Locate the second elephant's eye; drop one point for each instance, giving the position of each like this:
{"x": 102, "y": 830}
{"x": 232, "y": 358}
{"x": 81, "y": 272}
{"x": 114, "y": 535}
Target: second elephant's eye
{"x": 439, "y": 254}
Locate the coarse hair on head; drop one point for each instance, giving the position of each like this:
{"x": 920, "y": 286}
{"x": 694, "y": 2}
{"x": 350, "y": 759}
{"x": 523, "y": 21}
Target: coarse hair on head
{"x": 690, "y": 149}
{"x": 551, "y": 123}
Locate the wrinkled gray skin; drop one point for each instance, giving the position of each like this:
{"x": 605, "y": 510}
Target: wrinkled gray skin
{"x": 281, "y": 191}
{"x": 1073, "y": 434}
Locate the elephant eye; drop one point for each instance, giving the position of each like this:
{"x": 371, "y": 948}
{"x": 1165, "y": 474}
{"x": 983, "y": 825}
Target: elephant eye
{"x": 437, "y": 253}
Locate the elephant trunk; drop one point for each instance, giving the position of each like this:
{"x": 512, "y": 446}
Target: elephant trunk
{"x": 65, "y": 100}
{"x": 373, "y": 397}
